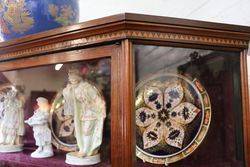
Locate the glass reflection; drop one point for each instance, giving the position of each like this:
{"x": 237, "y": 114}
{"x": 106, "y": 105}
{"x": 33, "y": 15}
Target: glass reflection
{"x": 219, "y": 73}
{"x": 49, "y": 81}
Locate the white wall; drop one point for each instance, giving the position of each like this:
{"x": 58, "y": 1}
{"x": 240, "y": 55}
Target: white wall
{"x": 223, "y": 11}
{"x": 38, "y": 79}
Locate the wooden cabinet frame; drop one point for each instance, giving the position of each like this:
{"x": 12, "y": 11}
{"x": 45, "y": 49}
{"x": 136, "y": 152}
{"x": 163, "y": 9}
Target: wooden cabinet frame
{"x": 114, "y": 37}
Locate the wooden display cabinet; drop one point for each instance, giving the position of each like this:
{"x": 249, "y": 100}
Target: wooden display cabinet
{"x": 116, "y": 37}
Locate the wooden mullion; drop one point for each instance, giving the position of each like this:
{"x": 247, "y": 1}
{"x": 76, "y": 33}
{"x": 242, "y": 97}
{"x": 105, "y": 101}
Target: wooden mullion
{"x": 245, "y": 106}
{"x": 123, "y": 137}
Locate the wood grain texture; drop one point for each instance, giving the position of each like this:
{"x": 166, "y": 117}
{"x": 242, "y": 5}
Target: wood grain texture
{"x": 125, "y": 34}
{"x": 119, "y": 19}
{"x": 61, "y": 57}
{"x": 126, "y": 26}
{"x": 245, "y": 105}
{"x": 184, "y": 45}
{"x": 123, "y": 140}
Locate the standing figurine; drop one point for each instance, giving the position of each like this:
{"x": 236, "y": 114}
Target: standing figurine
{"x": 86, "y": 105}
{"x": 42, "y": 133}
{"x": 11, "y": 121}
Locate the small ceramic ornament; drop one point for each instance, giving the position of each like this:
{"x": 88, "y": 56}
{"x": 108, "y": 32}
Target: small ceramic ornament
{"x": 11, "y": 120}
{"x": 42, "y": 133}
{"x": 85, "y": 104}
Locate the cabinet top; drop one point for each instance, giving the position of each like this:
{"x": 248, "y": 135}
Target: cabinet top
{"x": 134, "y": 26}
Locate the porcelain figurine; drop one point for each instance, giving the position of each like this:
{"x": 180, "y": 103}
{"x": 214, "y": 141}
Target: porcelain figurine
{"x": 11, "y": 121}
{"x": 86, "y": 105}
{"x": 42, "y": 133}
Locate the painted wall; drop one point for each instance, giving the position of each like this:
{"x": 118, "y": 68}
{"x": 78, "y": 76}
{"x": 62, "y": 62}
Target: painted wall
{"x": 222, "y": 11}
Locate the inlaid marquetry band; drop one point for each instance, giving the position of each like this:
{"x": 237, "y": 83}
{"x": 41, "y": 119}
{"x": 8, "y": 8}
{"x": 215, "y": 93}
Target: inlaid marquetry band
{"x": 132, "y": 34}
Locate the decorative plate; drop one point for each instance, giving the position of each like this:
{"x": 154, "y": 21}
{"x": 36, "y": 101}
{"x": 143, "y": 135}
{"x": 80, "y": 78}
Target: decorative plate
{"x": 173, "y": 115}
{"x": 62, "y": 127}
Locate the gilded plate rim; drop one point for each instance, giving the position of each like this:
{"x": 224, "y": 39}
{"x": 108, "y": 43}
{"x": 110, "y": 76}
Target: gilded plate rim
{"x": 206, "y": 110}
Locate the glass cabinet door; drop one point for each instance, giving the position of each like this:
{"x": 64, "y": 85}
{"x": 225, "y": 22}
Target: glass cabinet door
{"x": 51, "y": 82}
{"x": 188, "y": 107}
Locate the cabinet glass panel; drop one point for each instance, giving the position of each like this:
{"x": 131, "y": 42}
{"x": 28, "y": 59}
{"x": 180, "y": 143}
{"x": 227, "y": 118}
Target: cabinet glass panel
{"x": 82, "y": 86}
{"x": 188, "y": 107}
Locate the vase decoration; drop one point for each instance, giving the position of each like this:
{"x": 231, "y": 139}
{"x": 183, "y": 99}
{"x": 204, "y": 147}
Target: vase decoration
{"x": 23, "y": 17}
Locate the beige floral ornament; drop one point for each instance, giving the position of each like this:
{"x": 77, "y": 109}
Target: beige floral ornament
{"x": 165, "y": 115}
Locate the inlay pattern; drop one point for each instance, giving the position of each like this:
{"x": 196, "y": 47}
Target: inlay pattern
{"x": 122, "y": 34}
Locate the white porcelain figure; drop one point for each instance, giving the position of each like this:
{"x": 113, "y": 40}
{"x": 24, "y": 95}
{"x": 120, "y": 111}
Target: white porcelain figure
{"x": 42, "y": 133}
{"x": 11, "y": 121}
{"x": 86, "y": 105}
